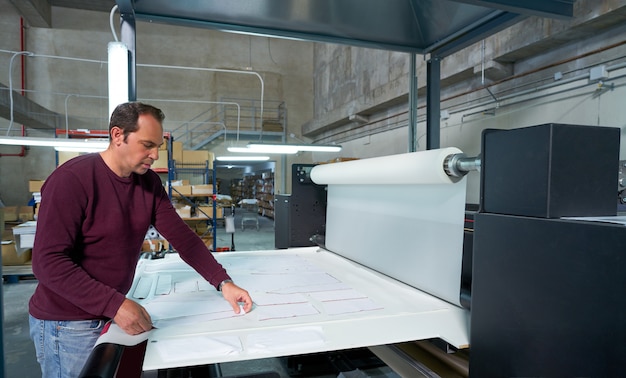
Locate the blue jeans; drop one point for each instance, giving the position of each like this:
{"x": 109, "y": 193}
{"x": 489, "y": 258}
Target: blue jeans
{"x": 62, "y": 346}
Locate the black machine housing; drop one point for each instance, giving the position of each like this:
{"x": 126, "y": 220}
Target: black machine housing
{"x": 301, "y": 216}
{"x": 546, "y": 298}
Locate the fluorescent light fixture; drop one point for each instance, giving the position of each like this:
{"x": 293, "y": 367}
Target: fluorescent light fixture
{"x": 265, "y": 149}
{"x": 284, "y": 148}
{"x": 242, "y": 158}
{"x": 89, "y": 143}
{"x": 118, "y": 74}
{"x": 297, "y": 147}
{"x": 79, "y": 149}
{"x": 319, "y": 147}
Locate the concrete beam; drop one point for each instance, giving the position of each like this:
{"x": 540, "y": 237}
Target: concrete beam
{"x": 91, "y": 5}
{"x": 27, "y": 112}
{"x": 543, "y": 8}
{"x": 494, "y": 71}
{"x": 515, "y": 50}
{"x": 36, "y": 13}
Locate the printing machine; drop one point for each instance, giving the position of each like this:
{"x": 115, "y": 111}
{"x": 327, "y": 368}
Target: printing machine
{"x": 533, "y": 290}
{"x": 300, "y": 217}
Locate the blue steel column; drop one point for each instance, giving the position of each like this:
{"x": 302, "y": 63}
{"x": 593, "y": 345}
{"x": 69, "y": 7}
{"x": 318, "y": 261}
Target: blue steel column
{"x": 214, "y": 199}
{"x": 433, "y": 106}
{"x": 171, "y": 169}
{"x": 128, "y": 36}
{"x": 412, "y": 104}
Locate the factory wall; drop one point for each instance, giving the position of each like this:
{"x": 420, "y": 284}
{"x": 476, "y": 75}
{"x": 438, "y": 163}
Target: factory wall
{"x": 69, "y": 75}
{"x": 538, "y": 71}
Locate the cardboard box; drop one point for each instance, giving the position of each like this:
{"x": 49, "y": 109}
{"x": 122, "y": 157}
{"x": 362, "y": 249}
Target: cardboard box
{"x": 25, "y": 213}
{"x": 7, "y": 232}
{"x": 202, "y": 189}
{"x": 157, "y": 244}
{"x": 198, "y": 157}
{"x": 272, "y": 126}
{"x": 201, "y": 228}
{"x": 11, "y": 213}
{"x": 181, "y": 190}
{"x": 208, "y": 210}
{"x": 24, "y": 235}
{"x": 10, "y": 255}
{"x": 195, "y": 156}
{"x": 177, "y": 151}
{"x": 161, "y": 162}
{"x": 208, "y": 241}
{"x": 184, "y": 211}
{"x": 179, "y": 182}
{"x": 66, "y": 155}
{"x": 35, "y": 185}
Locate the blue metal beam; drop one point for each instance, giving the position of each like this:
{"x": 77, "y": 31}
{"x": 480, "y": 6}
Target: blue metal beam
{"x": 414, "y": 26}
{"x": 433, "y": 103}
{"x": 543, "y": 8}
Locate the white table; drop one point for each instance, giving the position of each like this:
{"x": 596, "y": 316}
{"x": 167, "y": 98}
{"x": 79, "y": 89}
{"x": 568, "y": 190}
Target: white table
{"x": 401, "y": 313}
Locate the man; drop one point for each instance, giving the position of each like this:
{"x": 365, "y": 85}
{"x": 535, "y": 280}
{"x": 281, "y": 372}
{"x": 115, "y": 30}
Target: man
{"x": 95, "y": 212}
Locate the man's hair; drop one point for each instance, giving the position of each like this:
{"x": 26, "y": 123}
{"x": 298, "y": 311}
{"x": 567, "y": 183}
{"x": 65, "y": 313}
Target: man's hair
{"x": 125, "y": 116}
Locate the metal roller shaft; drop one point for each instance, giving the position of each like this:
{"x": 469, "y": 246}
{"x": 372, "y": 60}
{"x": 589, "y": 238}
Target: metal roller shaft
{"x": 458, "y": 165}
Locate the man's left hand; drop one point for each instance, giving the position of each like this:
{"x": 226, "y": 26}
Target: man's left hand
{"x": 235, "y": 295}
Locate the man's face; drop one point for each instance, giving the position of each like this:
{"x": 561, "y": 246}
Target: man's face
{"x": 141, "y": 148}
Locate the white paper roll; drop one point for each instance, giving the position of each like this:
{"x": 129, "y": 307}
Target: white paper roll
{"x": 152, "y": 233}
{"x": 423, "y": 167}
{"x": 400, "y": 215}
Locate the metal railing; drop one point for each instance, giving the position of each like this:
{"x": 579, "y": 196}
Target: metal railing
{"x": 229, "y": 118}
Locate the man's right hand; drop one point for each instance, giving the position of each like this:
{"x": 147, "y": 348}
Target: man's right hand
{"x": 132, "y": 318}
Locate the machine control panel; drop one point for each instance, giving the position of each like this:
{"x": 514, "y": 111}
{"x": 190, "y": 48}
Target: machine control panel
{"x": 303, "y": 173}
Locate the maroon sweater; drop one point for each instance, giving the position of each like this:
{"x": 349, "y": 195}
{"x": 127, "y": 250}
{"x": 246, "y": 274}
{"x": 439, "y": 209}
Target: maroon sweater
{"x": 90, "y": 229}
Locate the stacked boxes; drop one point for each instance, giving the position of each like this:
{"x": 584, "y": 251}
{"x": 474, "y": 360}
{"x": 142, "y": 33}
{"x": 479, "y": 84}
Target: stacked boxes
{"x": 10, "y": 255}
{"x": 202, "y": 190}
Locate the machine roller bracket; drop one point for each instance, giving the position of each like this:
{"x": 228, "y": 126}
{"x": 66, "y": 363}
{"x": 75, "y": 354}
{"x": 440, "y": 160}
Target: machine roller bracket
{"x": 458, "y": 165}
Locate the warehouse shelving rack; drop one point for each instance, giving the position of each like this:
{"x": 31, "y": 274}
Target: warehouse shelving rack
{"x": 207, "y": 175}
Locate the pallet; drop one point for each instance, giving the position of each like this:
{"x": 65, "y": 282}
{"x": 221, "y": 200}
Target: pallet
{"x": 15, "y": 273}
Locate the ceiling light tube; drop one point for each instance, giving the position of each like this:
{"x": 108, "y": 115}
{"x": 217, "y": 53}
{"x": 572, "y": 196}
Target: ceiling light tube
{"x": 55, "y": 142}
{"x": 74, "y": 145}
{"x": 297, "y": 147}
{"x": 242, "y": 158}
{"x": 79, "y": 149}
{"x": 319, "y": 148}
{"x": 118, "y": 74}
{"x": 265, "y": 149}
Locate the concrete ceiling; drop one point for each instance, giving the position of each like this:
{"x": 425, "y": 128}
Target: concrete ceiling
{"x": 438, "y": 27}
{"x": 37, "y": 13}
{"x": 93, "y": 5}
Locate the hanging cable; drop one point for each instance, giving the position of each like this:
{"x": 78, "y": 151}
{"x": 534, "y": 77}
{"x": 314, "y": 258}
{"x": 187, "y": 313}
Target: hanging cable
{"x": 113, "y": 10}
{"x": 218, "y": 70}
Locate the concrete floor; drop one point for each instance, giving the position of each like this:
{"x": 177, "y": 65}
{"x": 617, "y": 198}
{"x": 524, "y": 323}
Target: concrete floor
{"x": 20, "y": 354}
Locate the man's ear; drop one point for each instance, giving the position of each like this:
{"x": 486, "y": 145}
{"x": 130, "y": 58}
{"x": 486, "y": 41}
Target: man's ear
{"x": 117, "y": 135}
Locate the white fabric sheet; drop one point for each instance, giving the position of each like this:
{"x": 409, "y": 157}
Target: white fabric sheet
{"x": 352, "y": 300}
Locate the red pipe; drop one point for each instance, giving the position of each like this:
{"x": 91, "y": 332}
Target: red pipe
{"x": 22, "y": 153}
{"x": 22, "y": 57}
